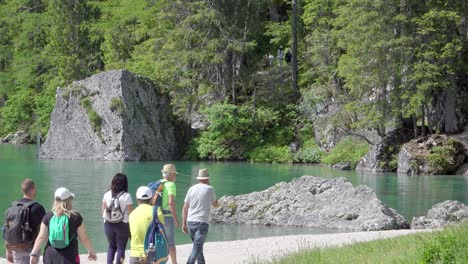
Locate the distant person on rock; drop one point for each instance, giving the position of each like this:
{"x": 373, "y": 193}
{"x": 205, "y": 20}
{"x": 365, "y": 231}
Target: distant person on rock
{"x": 280, "y": 56}
{"x": 116, "y": 206}
{"x": 271, "y": 59}
{"x": 61, "y": 228}
{"x": 196, "y": 213}
{"x": 288, "y": 57}
{"x": 265, "y": 61}
{"x": 171, "y": 221}
{"x": 22, "y": 222}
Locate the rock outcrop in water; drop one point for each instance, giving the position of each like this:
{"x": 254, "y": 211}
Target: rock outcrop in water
{"x": 441, "y": 215}
{"x": 311, "y": 202}
{"x": 114, "y": 115}
{"x": 436, "y": 154}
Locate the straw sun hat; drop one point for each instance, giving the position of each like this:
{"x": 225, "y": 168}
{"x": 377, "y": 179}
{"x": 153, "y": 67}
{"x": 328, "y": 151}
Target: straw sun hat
{"x": 169, "y": 168}
{"x": 203, "y": 174}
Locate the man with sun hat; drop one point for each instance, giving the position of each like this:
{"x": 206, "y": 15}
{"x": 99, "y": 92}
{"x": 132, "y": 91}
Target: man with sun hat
{"x": 196, "y": 214}
{"x": 169, "y": 174}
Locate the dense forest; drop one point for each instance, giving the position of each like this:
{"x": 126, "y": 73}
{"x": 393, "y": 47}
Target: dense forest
{"x": 364, "y": 67}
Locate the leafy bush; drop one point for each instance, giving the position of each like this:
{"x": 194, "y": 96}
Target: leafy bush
{"x": 448, "y": 246}
{"x": 17, "y": 112}
{"x": 234, "y": 130}
{"x": 309, "y": 155}
{"x": 116, "y": 105}
{"x": 348, "y": 149}
{"x": 271, "y": 154}
{"x": 441, "y": 157}
{"x": 191, "y": 153}
{"x": 94, "y": 118}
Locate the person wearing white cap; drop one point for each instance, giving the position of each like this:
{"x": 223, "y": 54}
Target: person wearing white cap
{"x": 139, "y": 220}
{"x": 169, "y": 174}
{"x": 196, "y": 214}
{"x": 62, "y": 209}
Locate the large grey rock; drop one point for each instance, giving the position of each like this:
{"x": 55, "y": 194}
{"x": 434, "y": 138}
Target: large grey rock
{"x": 415, "y": 156}
{"x": 344, "y": 165}
{"x": 311, "y": 202}
{"x": 136, "y": 121}
{"x": 20, "y": 137}
{"x": 383, "y": 156}
{"x": 441, "y": 215}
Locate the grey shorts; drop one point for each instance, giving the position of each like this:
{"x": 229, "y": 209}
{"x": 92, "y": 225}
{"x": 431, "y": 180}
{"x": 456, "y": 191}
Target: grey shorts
{"x": 21, "y": 257}
{"x": 169, "y": 228}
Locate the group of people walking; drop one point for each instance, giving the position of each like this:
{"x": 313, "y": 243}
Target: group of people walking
{"x": 28, "y": 227}
{"x": 269, "y": 59}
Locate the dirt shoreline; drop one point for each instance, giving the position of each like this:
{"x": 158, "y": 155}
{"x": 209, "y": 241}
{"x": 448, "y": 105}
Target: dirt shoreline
{"x": 263, "y": 249}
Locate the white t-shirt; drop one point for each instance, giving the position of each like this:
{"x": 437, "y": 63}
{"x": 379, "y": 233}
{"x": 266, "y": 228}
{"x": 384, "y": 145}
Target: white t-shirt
{"x": 199, "y": 197}
{"x": 124, "y": 199}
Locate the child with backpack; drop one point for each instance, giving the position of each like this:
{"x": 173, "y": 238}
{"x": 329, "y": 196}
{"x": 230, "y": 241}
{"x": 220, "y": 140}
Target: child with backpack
{"x": 61, "y": 228}
{"x": 116, "y": 207}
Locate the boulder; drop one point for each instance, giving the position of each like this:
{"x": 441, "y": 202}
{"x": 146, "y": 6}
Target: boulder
{"x": 383, "y": 156}
{"x": 20, "y": 137}
{"x": 436, "y": 154}
{"x": 344, "y": 165}
{"x": 8, "y": 138}
{"x": 462, "y": 170}
{"x": 113, "y": 115}
{"x": 311, "y": 202}
{"x": 441, "y": 215}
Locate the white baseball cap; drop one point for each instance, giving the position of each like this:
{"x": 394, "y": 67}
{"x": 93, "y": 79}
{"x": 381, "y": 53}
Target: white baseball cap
{"x": 144, "y": 193}
{"x": 63, "y": 193}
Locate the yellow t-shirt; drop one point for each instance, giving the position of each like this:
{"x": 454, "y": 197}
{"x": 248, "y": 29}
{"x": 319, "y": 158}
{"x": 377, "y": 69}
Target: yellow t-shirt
{"x": 139, "y": 221}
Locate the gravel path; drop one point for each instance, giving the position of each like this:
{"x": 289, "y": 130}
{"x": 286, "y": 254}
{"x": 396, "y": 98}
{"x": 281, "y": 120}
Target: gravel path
{"x": 260, "y": 249}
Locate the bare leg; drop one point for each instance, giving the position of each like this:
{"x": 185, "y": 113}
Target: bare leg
{"x": 173, "y": 255}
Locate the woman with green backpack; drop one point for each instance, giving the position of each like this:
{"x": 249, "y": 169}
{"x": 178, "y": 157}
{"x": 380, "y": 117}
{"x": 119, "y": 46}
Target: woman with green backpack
{"x": 61, "y": 228}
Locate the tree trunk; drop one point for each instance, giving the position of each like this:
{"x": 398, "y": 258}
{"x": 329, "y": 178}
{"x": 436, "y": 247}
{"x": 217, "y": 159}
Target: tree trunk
{"x": 450, "y": 105}
{"x": 273, "y": 9}
{"x": 294, "y": 48}
{"x": 415, "y": 126}
{"x": 423, "y": 125}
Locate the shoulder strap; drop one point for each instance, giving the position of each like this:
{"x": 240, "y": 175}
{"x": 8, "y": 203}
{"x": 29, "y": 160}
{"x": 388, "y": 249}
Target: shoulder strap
{"x": 29, "y": 204}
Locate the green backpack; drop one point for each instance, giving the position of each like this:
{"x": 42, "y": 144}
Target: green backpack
{"x": 59, "y": 231}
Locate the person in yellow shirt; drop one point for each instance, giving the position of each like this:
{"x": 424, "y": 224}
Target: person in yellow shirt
{"x": 139, "y": 221}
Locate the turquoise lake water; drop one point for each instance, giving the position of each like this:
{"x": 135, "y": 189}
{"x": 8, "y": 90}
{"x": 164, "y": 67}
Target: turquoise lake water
{"x": 89, "y": 180}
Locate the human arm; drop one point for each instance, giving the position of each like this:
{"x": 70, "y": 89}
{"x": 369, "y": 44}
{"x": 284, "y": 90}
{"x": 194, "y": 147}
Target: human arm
{"x": 214, "y": 202}
{"x": 103, "y": 207}
{"x": 184, "y": 217}
{"x": 129, "y": 208}
{"x": 86, "y": 243}
{"x": 41, "y": 238}
{"x": 9, "y": 253}
{"x": 172, "y": 208}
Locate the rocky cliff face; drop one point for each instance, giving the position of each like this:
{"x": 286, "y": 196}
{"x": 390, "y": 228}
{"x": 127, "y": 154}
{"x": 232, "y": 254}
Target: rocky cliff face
{"x": 441, "y": 215}
{"x": 383, "y": 156}
{"x": 311, "y": 202}
{"x": 114, "y": 115}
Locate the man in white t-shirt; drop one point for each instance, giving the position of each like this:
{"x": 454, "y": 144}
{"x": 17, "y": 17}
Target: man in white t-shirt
{"x": 196, "y": 214}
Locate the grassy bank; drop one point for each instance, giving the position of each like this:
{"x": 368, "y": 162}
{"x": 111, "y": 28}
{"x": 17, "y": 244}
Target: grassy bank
{"x": 447, "y": 246}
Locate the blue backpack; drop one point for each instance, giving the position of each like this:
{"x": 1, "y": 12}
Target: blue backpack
{"x": 157, "y": 188}
{"x": 156, "y": 247}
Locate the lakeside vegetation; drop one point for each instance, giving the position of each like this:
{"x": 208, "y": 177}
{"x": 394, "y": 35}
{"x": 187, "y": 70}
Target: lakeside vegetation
{"x": 446, "y": 246}
{"x": 362, "y": 66}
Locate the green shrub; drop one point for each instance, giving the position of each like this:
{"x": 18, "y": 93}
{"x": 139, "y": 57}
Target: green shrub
{"x": 271, "y": 154}
{"x": 447, "y": 246}
{"x": 192, "y": 153}
{"x": 94, "y": 118}
{"x": 441, "y": 158}
{"x": 234, "y": 130}
{"x": 349, "y": 149}
{"x": 308, "y": 155}
{"x": 116, "y": 105}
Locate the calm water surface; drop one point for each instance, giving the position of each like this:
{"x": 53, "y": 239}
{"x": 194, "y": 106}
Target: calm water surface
{"x": 89, "y": 180}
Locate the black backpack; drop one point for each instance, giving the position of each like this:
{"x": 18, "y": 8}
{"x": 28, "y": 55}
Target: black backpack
{"x": 17, "y": 229}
